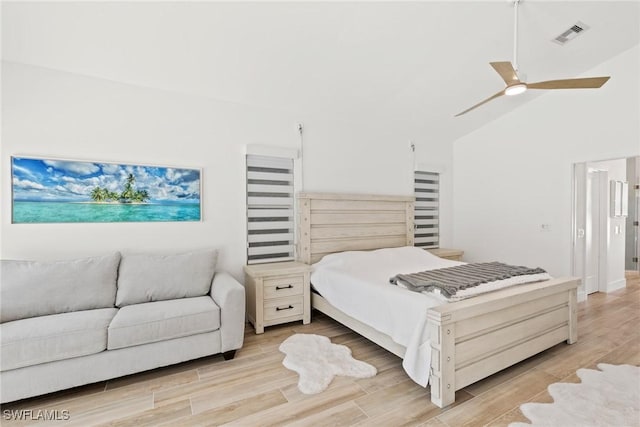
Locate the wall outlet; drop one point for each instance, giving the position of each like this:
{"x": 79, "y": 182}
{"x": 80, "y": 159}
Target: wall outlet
{"x": 545, "y": 227}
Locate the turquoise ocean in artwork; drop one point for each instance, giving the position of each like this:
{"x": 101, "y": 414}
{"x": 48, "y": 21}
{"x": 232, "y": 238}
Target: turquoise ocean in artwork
{"x": 42, "y": 212}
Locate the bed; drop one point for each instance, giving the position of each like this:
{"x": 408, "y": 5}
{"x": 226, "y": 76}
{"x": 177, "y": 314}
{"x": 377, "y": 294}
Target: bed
{"x": 467, "y": 340}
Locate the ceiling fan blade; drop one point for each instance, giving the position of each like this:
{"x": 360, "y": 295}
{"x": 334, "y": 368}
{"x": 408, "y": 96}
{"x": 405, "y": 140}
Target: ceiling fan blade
{"x": 584, "y": 83}
{"x": 480, "y": 103}
{"x": 506, "y": 71}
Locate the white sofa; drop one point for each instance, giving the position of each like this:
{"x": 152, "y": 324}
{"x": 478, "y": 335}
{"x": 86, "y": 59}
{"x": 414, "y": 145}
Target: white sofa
{"x": 69, "y": 323}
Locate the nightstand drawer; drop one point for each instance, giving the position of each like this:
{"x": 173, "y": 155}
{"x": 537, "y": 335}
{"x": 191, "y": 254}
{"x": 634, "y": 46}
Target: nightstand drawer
{"x": 277, "y": 292}
{"x": 283, "y": 287}
{"x": 283, "y": 307}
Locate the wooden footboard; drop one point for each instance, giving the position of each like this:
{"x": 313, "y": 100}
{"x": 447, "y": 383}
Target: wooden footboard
{"x": 475, "y": 338}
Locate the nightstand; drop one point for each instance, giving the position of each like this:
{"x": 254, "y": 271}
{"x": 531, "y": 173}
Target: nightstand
{"x": 451, "y": 254}
{"x": 277, "y": 293}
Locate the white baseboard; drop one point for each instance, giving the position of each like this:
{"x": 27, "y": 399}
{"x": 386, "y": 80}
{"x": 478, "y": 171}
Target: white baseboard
{"x": 618, "y": 284}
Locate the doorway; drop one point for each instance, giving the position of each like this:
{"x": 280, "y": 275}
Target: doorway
{"x": 598, "y": 231}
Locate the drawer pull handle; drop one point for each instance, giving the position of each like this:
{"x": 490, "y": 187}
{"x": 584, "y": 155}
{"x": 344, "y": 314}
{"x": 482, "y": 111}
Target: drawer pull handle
{"x": 283, "y": 287}
{"x": 285, "y": 308}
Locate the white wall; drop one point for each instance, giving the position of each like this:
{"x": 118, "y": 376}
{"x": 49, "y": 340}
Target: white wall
{"x": 57, "y": 114}
{"x": 515, "y": 173}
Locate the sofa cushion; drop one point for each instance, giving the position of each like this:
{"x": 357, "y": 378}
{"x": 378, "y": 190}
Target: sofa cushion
{"x": 45, "y": 339}
{"x": 162, "y": 320}
{"x": 33, "y": 288}
{"x": 148, "y": 278}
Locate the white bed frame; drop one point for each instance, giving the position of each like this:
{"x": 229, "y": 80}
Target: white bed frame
{"x": 470, "y": 339}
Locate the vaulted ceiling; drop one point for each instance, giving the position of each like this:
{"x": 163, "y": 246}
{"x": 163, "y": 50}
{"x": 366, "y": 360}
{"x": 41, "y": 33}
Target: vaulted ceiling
{"x": 417, "y": 63}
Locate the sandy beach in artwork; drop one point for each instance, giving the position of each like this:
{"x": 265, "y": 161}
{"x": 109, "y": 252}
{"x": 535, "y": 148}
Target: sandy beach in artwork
{"x": 112, "y": 203}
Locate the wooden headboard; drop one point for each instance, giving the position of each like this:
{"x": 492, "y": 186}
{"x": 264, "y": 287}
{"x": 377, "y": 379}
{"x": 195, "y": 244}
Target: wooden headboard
{"x": 335, "y": 222}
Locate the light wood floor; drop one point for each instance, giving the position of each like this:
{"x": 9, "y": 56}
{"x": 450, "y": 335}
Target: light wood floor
{"x": 255, "y": 389}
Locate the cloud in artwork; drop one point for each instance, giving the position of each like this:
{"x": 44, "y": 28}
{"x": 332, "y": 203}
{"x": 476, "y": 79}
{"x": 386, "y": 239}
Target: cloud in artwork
{"x": 26, "y": 184}
{"x": 109, "y": 168}
{"x": 36, "y": 179}
{"x": 79, "y": 189}
{"x": 79, "y": 168}
{"x": 24, "y": 171}
{"x": 172, "y": 174}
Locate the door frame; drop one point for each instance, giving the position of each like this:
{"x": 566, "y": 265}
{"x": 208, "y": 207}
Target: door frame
{"x": 579, "y": 227}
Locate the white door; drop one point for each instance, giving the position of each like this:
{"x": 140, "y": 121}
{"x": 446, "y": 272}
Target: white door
{"x": 595, "y": 230}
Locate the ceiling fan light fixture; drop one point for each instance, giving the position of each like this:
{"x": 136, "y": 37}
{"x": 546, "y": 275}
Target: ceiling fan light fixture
{"x": 514, "y": 85}
{"x": 516, "y": 89}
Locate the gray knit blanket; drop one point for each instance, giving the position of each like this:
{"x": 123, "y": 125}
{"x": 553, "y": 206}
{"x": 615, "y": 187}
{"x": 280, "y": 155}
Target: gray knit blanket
{"x": 450, "y": 280}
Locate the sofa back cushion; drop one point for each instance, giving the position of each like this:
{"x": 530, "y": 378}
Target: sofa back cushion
{"x": 148, "y": 278}
{"x": 34, "y": 288}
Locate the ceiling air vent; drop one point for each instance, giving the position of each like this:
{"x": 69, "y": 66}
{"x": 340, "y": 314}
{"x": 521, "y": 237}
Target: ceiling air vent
{"x": 571, "y": 33}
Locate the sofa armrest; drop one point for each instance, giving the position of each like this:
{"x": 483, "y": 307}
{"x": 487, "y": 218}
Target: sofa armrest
{"x": 229, "y": 295}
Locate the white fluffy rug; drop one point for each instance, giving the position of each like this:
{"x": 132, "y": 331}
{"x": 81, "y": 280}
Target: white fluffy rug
{"x": 609, "y": 397}
{"x": 317, "y": 361}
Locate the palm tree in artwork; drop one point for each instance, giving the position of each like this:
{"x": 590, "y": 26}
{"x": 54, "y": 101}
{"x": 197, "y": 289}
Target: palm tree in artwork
{"x": 112, "y": 195}
{"x": 141, "y": 196}
{"x": 129, "y": 193}
{"x": 98, "y": 194}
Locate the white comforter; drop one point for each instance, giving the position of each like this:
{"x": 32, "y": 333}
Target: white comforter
{"x": 357, "y": 283}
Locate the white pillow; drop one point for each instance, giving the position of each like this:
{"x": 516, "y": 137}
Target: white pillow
{"x": 378, "y": 266}
{"x": 147, "y": 278}
{"x": 33, "y": 288}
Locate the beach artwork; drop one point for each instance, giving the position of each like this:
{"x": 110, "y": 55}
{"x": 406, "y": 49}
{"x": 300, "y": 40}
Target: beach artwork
{"x": 54, "y": 191}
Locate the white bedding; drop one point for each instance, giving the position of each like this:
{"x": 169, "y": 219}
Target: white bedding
{"x": 347, "y": 280}
{"x": 357, "y": 283}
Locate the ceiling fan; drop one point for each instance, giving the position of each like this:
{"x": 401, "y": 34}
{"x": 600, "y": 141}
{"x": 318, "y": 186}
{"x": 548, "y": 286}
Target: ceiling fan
{"x": 515, "y": 86}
